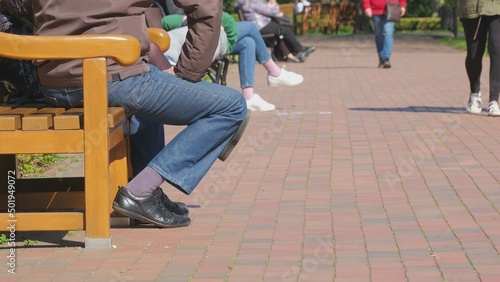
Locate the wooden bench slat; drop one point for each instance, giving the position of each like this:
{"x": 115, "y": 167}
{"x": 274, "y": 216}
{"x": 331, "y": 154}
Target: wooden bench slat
{"x": 42, "y": 142}
{"x": 48, "y": 221}
{"x": 10, "y": 122}
{"x": 115, "y": 116}
{"x": 37, "y": 122}
{"x": 71, "y": 119}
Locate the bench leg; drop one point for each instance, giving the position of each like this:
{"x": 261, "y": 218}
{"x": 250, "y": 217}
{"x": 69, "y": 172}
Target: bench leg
{"x": 118, "y": 170}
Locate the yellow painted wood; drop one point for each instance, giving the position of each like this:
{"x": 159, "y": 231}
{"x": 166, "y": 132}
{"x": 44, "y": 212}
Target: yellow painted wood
{"x": 22, "y": 111}
{"x": 118, "y": 170}
{"x": 160, "y": 37}
{"x": 116, "y": 135}
{"x": 48, "y": 221}
{"x": 70, "y": 119}
{"x": 124, "y": 49}
{"x": 50, "y": 141}
{"x": 49, "y": 110}
{"x": 10, "y": 122}
{"x": 37, "y": 122}
{"x": 115, "y": 116}
{"x": 96, "y": 148}
{"x": 5, "y": 108}
{"x": 93, "y": 140}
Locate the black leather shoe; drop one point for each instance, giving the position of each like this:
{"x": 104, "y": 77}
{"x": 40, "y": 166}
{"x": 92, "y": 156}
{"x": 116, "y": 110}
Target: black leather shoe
{"x": 310, "y": 49}
{"x": 302, "y": 55}
{"x": 149, "y": 209}
{"x": 175, "y": 207}
{"x": 235, "y": 139}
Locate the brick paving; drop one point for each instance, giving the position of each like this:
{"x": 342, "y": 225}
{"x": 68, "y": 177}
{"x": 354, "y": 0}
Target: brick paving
{"x": 361, "y": 174}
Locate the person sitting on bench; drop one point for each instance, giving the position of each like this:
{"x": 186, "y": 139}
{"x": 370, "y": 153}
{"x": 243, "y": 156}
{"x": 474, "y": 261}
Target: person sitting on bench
{"x": 243, "y": 39}
{"x": 214, "y": 115}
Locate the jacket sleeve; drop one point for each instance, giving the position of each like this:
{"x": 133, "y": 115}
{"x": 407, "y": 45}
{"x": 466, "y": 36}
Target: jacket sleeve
{"x": 261, "y": 7}
{"x": 204, "y": 21}
{"x": 366, "y": 4}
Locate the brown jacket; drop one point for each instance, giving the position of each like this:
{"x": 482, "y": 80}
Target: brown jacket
{"x": 54, "y": 17}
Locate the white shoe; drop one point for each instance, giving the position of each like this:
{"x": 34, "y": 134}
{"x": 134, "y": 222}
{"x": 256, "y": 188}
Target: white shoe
{"x": 256, "y": 103}
{"x": 286, "y": 78}
{"x": 493, "y": 109}
{"x": 474, "y": 104}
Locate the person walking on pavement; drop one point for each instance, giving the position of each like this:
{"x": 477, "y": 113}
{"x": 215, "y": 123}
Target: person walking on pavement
{"x": 481, "y": 22}
{"x": 384, "y": 29}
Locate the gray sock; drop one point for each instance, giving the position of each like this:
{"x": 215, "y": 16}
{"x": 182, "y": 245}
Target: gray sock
{"x": 145, "y": 182}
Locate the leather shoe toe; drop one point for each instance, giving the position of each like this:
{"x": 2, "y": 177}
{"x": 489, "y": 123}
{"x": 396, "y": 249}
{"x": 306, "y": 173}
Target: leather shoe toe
{"x": 175, "y": 207}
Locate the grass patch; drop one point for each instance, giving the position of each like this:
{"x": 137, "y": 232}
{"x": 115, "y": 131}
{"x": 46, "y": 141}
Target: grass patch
{"x": 458, "y": 43}
{"x": 3, "y": 239}
{"x": 34, "y": 165}
{"x": 454, "y": 42}
{"x": 29, "y": 242}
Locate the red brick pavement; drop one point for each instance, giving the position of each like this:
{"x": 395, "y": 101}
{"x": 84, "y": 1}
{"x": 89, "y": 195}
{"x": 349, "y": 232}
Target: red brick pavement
{"x": 361, "y": 174}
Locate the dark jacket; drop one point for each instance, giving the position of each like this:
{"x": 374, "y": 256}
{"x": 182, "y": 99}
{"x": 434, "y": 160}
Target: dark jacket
{"x": 18, "y": 78}
{"x": 19, "y": 9}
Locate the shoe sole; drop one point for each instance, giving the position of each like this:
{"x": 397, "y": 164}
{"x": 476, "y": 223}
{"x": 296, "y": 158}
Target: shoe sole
{"x": 259, "y": 110}
{"x": 473, "y": 112}
{"x": 276, "y": 85}
{"x": 236, "y": 138}
{"x": 144, "y": 219}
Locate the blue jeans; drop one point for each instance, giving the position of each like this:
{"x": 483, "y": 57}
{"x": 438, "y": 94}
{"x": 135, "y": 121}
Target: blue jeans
{"x": 250, "y": 47}
{"x": 211, "y": 112}
{"x": 384, "y": 36}
{"x": 143, "y": 150}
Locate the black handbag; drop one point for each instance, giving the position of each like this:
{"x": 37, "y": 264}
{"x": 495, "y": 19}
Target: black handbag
{"x": 284, "y": 20}
{"x": 393, "y": 11}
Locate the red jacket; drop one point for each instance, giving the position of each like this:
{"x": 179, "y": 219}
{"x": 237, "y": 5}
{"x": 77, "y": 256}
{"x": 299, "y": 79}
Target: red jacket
{"x": 379, "y": 6}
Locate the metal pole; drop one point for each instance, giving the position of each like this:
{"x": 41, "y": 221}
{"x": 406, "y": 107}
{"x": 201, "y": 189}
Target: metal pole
{"x": 455, "y": 22}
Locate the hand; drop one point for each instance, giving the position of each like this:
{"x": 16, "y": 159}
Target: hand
{"x": 368, "y": 12}
{"x": 280, "y": 14}
{"x": 170, "y": 71}
{"x": 403, "y": 11}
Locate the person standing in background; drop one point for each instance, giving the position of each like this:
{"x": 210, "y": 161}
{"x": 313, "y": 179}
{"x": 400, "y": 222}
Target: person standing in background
{"x": 481, "y": 22}
{"x": 384, "y": 29}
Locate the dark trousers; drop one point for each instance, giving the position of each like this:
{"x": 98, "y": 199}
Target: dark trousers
{"x": 478, "y": 31}
{"x": 289, "y": 38}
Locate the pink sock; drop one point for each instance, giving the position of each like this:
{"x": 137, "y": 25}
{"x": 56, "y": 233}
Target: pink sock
{"x": 272, "y": 68}
{"x": 247, "y": 93}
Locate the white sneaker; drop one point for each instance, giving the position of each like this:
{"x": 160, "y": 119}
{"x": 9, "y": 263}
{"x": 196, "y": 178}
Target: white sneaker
{"x": 493, "y": 109}
{"x": 474, "y": 104}
{"x": 286, "y": 78}
{"x": 256, "y": 103}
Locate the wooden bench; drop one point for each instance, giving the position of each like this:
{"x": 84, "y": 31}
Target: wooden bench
{"x": 97, "y": 131}
{"x": 327, "y": 17}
